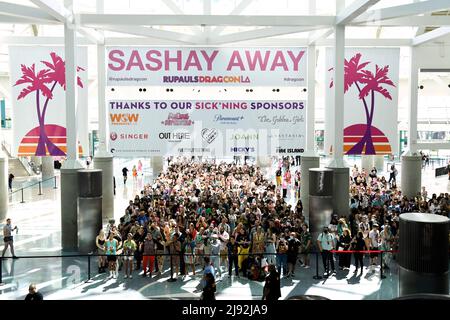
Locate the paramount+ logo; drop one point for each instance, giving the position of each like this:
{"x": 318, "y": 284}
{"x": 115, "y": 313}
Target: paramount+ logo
{"x": 124, "y": 119}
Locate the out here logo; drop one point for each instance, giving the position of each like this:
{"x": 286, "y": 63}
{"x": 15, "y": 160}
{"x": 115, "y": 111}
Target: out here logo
{"x": 124, "y": 119}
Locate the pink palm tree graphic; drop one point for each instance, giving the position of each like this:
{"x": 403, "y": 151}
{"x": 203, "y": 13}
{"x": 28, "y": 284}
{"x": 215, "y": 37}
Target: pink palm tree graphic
{"x": 37, "y": 83}
{"x": 354, "y": 73}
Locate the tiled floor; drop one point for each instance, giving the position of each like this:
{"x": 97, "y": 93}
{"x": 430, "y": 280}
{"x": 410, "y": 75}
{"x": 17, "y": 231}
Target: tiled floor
{"x": 38, "y": 220}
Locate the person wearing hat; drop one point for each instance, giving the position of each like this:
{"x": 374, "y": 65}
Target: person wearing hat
{"x": 374, "y": 237}
{"x": 215, "y": 253}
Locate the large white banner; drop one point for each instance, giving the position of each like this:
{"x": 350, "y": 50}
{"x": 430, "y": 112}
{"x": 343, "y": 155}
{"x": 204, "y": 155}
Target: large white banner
{"x": 134, "y": 66}
{"x": 37, "y": 76}
{"x": 370, "y": 101}
{"x": 213, "y": 128}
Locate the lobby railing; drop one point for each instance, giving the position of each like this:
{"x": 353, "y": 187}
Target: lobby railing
{"x": 38, "y": 183}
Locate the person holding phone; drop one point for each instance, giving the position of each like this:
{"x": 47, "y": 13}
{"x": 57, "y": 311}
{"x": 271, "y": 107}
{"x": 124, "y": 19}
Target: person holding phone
{"x": 8, "y": 237}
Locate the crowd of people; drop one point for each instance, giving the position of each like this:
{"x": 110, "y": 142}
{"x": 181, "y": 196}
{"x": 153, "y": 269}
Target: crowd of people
{"x": 230, "y": 219}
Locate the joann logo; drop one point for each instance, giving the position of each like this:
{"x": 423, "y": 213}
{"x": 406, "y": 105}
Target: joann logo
{"x": 242, "y": 149}
{"x": 125, "y": 119}
{"x": 244, "y": 136}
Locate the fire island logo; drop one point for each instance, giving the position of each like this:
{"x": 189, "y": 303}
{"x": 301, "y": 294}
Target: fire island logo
{"x": 178, "y": 119}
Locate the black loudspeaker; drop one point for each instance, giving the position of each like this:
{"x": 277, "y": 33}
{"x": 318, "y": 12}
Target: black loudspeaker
{"x": 89, "y": 183}
{"x": 320, "y": 182}
{"x": 423, "y": 254}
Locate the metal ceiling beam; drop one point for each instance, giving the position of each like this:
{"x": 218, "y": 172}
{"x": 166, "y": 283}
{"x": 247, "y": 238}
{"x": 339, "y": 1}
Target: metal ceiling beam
{"x": 405, "y": 10}
{"x": 24, "y": 12}
{"x": 319, "y": 35}
{"x": 259, "y": 33}
{"x": 116, "y": 41}
{"x": 53, "y": 8}
{"x": 90, "y": 19}
{"x": 177, "y": 10}
{"x": 93, "y": 35}
{"x": 415, "y": 21}
{"x": 354, "y": 10}
{"x": 176, "y": 37}
{"x": 237, "y": 10}
{"x": 24, "y": 20}
{"x": 430, "y": 36}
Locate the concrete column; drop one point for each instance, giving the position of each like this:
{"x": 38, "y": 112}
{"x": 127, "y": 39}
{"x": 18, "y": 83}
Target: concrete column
{"x": 3, "y": 187}
{"x": 69, "y": 209}
{"x": 264, "y": 163}
{"x": 106, "y": 164}
{"x": 367, "y": 162}
{"x": 157, "y": 163}
{"x": 306, "y": 163}
{"x": 69, "y": 180}
{"x": 48, "y": 170}
{"x": 412, "y": 110}
{"x": 378, "y": 162}
{"x": 411, "y": 175}
{"x": 311, "y": 104}
{"x": 340, "y": 168}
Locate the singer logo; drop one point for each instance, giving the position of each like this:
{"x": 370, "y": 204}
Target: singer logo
{"x": 124, "y": 118}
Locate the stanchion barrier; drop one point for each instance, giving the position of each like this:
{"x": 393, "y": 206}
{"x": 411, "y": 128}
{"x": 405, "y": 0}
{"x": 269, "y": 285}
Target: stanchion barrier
{"x": 55, "y": 183}
{"x": 40, "y": 189}
{"x": 1, "y": 271}
{"x": 89, "y": 268}
{"x": 22, "y": 196}
{"x": 317, "y": 276}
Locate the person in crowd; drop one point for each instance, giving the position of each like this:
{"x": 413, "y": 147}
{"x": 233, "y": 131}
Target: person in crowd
{"x": 325, "y": 243}
{"x": 232, "y": 250}
{"x": 278, "y": 175}
{"x": 125, "y": 175}
{"x": 160, "y": 244}
{"x": 8, "y": 238}
{"x": 374, "y": 236}
{"x": 270, "y": 251}
{"x": 224, "y": 237}
{"x": 215, "y": 253}
{"x": 33, "y": 294}
{"x": 10, "y": 181}
{"x": 344, "y": 245}
{"x": 148, "y": 252}
{"x": 209, "y": 289}
{"x": 139, "y": 238}
{"x": 129, "y": 247}
{"x": 358, "y": 244}
{"x": 387, "y": 239}
{"x": 244, "y": 245}
{"x": 272, "y": 288}
{"x": 282, "y": 249}
{"x": 134, "y": 172}
{"x": 392, "y": 173}
{"x": 139, "y": 168}
{"x": 189, "y": 253}
{"x": 100, "y": 244}
{"x": 175, "y": 250}
{"x": 306, "y": 244}
{"x": 111, "y": 246}
{"x": 292, "y": 253}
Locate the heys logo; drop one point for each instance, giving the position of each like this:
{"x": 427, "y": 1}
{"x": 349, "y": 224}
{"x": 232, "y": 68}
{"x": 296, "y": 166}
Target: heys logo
{"x": 124, "y": 118}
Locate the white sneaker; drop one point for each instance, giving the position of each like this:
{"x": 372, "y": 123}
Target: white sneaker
{"x": 307, "y": 267}
{"x": 131, "y": 277}
{"x": 125, "y": 276}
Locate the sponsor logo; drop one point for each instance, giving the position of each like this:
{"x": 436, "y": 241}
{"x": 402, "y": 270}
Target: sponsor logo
{"x": 178, "y": 119}
{"x": 174, "y": 136}
{"x": 285, "y": 136}
{"x": 244, "y": 136}
{"x": 124, "y": 118}
{"x": 228, "y": 119}
{"x": 209, "y": 135}
{"x": 129, "y": 136}
{"x": 113, "y": 150}
{"x": 242, "y": 149}
{"x": 194, "y": 149}
{"x": 290, "y": 150}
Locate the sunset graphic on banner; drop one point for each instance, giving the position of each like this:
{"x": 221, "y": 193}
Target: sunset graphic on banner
{"x": 56, "y": 134}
